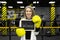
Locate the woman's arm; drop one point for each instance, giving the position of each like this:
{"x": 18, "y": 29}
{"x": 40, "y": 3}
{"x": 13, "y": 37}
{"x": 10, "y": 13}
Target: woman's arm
{"x": 20, "y": 21}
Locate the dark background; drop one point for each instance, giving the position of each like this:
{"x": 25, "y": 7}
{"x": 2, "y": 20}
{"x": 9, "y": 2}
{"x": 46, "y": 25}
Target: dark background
{"x": 41, "y": 9}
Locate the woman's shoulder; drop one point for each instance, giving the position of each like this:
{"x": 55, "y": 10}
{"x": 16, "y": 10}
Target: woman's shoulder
{"x": 23, "y": 18}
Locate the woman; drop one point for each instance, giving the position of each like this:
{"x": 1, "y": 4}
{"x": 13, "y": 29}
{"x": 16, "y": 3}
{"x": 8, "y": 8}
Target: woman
{"x": 28, "y": 14}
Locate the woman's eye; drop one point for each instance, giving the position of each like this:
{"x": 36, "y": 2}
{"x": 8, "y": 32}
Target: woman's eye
{"x": 29, "y": 11}
{"x": 26, "y": 11}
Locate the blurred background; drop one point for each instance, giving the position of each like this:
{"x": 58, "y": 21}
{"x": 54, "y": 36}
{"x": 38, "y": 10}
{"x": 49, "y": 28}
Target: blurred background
{"x": 11, "y": 11}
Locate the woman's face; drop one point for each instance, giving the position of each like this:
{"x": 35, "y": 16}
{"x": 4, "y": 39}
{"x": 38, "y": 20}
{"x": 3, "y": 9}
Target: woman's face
{"x": 28, "y": 13}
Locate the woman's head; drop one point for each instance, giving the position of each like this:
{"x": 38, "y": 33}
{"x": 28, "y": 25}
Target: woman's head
{"x": 29, "y": 12}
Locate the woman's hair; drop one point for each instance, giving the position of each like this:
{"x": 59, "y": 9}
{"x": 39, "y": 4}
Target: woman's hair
{"x": 33, "y": 12}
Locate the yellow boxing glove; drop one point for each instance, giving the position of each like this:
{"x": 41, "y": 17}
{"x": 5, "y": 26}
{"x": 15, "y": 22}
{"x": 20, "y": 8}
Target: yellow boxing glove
{"x": 37, "y": 20}
{"x": 37, "y": 25}
{"x": 20, "y": 32}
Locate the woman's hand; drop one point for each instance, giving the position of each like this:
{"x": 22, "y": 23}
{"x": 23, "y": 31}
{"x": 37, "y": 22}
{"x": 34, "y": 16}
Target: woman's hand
{"x": 37, "y": 21}
{"x": 20, "y": 32}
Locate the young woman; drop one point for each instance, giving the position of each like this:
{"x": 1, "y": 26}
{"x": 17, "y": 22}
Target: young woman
{"x": 28, "y": 14}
